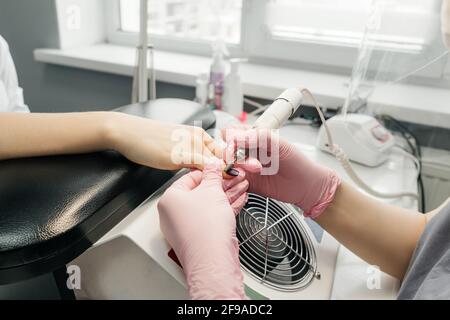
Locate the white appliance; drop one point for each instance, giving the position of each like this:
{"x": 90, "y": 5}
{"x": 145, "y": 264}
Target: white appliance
{"x": 362, "y": 137}
{"x": 134, "y": 261}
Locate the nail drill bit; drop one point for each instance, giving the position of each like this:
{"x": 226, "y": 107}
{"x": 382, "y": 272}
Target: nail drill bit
{"x": 274, "y": 117}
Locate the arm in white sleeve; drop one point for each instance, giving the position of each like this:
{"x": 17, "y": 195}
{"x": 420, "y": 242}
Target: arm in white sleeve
{"x": 8, "y": 76}
{"x": 445, "y": 22}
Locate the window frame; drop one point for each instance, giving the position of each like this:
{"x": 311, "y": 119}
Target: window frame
{"x": 257, "y": 44}
{"x": 316, "y": 54}
{"x": 197, "y": 47}
{"x": 260, "y": 40}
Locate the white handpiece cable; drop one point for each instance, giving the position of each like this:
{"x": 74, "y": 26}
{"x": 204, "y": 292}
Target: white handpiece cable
{"x": 408, "y": 155}
{"x": 284, "y": 107}
{"x": 337, "y": 151}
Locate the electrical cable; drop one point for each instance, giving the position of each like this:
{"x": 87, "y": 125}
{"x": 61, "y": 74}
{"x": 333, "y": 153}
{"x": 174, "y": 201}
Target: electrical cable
{"x": 345, "y": 162}
{"x": 405, "y": 132}
{"x": 305, "y": 122}
{"x": 259, "y": 107}
{"x": 421, "y": 68}
{"x": 415, "y": 150}
{"x": 411, "y": 157}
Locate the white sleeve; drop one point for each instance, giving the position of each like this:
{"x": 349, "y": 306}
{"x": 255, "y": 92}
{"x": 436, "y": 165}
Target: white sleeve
{"x": 8, "y": 76}
{"x": 445, "y": 22}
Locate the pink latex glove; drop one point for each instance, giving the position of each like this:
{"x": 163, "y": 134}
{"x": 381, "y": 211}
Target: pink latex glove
{"x": 299, "y": 181}
{"x": 199, "y": 223}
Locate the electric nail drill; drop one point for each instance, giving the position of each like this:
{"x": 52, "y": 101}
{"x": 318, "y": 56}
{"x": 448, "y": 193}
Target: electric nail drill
{"x": 274, "y": 117}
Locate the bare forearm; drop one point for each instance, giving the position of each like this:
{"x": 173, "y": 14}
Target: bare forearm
{"x": 381, "y": 234}
{"x": 26, "y": 135}
{"x": 144, "y": 141}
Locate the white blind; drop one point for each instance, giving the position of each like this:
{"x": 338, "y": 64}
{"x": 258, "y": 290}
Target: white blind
{"x": 400, "y": 23}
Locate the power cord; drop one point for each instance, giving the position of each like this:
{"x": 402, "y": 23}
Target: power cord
{"x": 410, "y": 156}
{"x": 259, "y": 107}
{"x": 345, "y": 162}
{"x": 415, "y": 151}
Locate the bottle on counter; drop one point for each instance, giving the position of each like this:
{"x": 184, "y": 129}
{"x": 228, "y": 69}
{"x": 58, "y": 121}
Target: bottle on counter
{"x": 233, "y": 97}
{"x": 217, "y": 73}
{"x": 211, "y": 97}
{"x": 201, "y": 89}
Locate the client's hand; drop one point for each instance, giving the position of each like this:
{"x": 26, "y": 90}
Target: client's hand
{"x": 297, "y": 179}
{"x": 157, "y": 144}
{"x": 199, "y": 223}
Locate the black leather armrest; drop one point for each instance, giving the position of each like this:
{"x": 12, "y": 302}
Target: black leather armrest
{"x": 54, "y": 208}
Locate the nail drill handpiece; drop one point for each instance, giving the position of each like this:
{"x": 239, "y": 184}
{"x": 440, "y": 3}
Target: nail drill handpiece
{"x": 274, "y": 117}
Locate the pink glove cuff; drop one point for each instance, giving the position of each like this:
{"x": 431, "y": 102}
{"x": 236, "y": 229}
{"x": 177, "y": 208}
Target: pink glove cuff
{"x": 330, "y": 186}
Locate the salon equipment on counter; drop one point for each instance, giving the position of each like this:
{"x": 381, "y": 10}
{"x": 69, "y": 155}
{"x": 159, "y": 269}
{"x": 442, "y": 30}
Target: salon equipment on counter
{"x": 362, "y": 137}
{"x": 334, "y": 132}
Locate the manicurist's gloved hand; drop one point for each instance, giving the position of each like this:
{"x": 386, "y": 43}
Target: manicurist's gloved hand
{"x": 297, "y": 180}
{"x": 199, "y": 223}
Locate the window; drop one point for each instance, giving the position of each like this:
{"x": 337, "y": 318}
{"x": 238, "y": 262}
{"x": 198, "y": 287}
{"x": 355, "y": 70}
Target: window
{"x": 343, "y": 21}
{"x": 318, "y": 21}
{"x": 179, "y": 25}
{"x": 191, "y": 19}
{"x": 322, "y": 33}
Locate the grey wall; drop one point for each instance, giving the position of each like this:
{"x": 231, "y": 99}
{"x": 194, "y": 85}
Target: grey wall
{"x": 31, "y": 24}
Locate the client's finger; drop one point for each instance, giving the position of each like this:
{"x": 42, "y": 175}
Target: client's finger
{"x": 189, "y": 181}
{"x": 234, "y": 180}
{"x": 234, "y": 193}
{"x": 239, "y": 203}
{"x": 251, "y": 165}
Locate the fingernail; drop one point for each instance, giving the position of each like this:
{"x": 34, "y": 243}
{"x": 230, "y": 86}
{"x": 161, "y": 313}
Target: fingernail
{"x": 233, "y": 172}
{"x": 228, "y": 167}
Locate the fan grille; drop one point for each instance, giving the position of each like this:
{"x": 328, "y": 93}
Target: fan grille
{"x": 275, "y": 249}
